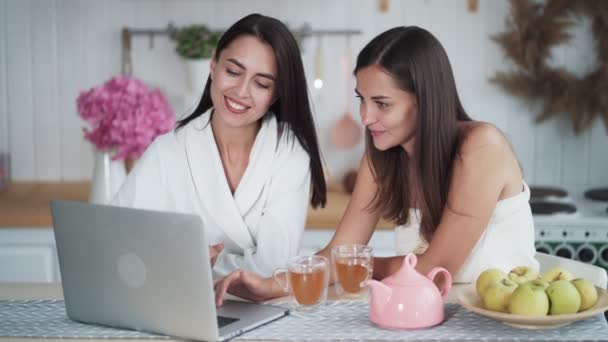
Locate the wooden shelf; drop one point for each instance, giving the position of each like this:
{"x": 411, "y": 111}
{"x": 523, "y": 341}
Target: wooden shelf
{"x": 26, "y": 204}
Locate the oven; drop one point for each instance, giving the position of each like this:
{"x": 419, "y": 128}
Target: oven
{"x": 572, "y": 223}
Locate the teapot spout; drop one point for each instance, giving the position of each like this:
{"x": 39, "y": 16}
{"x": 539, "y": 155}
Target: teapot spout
{"x": 380, "y": 295}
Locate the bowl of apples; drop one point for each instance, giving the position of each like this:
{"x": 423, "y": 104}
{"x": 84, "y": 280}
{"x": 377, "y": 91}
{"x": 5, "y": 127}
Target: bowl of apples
{"x": 523, "y": 298}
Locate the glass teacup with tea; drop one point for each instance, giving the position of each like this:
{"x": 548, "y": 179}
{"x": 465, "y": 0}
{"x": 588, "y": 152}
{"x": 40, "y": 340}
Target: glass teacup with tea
{"x": 307, "y": 278}
{"x": 353, "y": 267}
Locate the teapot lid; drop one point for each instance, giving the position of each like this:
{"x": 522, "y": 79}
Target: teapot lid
{"x": 407, "y": 274}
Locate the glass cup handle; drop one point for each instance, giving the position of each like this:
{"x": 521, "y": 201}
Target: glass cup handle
{"x": 276, "y": 275}
{"x": 370, "y": 273}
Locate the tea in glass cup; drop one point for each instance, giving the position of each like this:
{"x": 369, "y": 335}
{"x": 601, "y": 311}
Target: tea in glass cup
{"x": 353, "y": 267}
{"x": 307, "y": 277}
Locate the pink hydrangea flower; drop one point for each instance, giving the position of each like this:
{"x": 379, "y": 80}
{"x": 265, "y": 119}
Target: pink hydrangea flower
{"x": 125, "y": 116}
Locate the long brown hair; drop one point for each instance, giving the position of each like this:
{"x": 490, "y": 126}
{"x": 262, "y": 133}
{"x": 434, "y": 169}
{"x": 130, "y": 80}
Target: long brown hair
{"x": 419, "y": 65}
{"x": 292, "y": 107}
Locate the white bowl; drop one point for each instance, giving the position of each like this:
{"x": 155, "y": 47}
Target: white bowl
{"x": 469, "y": 299}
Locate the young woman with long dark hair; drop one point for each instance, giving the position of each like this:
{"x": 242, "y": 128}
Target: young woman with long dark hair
{"x": 247, "y": 158}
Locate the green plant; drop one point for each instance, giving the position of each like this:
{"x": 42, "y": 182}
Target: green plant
{"x": 195, "y": 41}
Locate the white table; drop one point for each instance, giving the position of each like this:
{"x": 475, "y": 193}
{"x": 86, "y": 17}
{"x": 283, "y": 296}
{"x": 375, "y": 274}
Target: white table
{"x": 54, "y": 291}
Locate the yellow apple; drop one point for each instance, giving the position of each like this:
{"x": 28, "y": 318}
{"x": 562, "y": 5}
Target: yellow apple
{"x": 530, "y": 299}
{"x": 587, "y": 291}
{"x": 488, "y": 277}
{"x": 557, "y": 273}
{"x": 497, "y": 295}
{"x": 541, "y": 282}
{"x": 523, "y": 274}
{"x": 564, "y": 298}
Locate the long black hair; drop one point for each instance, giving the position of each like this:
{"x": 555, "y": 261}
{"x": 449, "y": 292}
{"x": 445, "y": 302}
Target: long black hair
{"x": 292, "y": 107}
{"x": 419, "y": 65}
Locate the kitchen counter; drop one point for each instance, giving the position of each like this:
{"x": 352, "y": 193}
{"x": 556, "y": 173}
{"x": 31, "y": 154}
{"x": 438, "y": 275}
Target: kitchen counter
{"x": 25, "y": 204}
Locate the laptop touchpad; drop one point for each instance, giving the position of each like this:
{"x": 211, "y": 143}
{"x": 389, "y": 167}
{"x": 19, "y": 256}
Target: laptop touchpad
{"x": 223, "y": 321}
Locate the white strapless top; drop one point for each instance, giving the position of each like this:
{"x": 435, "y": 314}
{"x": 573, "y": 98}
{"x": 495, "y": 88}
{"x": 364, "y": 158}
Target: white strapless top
{"x": 507, "y": 241}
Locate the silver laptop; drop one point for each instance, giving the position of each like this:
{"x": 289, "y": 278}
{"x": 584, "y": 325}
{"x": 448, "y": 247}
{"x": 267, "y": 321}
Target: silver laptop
{"x": 145, "y": 270}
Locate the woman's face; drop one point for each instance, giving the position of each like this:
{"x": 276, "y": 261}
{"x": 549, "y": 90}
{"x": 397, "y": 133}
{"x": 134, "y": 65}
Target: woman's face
{"x": 243, "y": 81}
{"x": 388, "y": 112}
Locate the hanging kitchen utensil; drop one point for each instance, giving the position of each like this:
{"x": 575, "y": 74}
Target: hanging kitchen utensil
{"x": 126, "y": 65}
{"x": 318, "y": 82}
{"x": 346, "y": 132}
{"x": 383, "y": 6}
{"x": 472, "y": 5}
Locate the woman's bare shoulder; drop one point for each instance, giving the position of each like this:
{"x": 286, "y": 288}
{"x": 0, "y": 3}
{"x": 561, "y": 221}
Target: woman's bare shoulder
{"x": 485, "y": 147}
{"x": 477, "y": 135}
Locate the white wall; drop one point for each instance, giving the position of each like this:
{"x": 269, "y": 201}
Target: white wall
{"x": 52, "y": 49}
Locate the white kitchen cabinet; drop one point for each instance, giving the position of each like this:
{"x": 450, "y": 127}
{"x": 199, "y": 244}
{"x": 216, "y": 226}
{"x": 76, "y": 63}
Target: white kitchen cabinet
{"x": 28, "y": 255}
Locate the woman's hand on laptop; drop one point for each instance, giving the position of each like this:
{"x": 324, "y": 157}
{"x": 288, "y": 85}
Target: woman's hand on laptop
{"x": 247, "y": 285}
{"x": 214, "y": 251}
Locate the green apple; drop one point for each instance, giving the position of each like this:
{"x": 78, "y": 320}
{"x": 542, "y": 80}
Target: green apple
{"x": 541, "y": 282}
{"x": 497, "y": 295}
{"x": 530, "y": 299}
{"x": 523, "y": 274}
{"x": 564, "y": 298}
{"x": 488, "y": 277}
{"x": 587, "y": 291}
{"x": 557, "y": 273}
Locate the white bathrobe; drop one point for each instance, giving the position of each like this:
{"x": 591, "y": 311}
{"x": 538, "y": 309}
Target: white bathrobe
{"x": 261, "y": 224}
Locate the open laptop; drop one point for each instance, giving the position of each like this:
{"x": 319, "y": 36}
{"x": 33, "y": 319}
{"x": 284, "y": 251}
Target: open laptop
{"x": 145, "y": 270}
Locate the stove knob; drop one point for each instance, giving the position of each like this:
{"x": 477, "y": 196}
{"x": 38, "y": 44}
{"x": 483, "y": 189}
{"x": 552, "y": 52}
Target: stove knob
{"x": 586, "y": 253}
{"x": 564, "y": 250}
{"x": 604, "y": 256}
{"x": 544, "y": 248}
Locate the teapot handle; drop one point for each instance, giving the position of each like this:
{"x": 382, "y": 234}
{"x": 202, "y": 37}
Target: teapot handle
{"x": 447, "y": 285}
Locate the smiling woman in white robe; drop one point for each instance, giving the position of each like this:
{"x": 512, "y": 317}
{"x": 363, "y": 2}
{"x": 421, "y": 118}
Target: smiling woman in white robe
{"x": 247, "y": 159}
{"x": 261, "y": 225}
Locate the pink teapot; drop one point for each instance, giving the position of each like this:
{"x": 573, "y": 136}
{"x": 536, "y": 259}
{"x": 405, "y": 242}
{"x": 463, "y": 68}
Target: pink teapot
{"x": 408, "y": 299}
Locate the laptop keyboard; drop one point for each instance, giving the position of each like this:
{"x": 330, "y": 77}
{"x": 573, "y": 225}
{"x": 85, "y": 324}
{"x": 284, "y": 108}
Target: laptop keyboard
{"x": 224, "y": 321}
